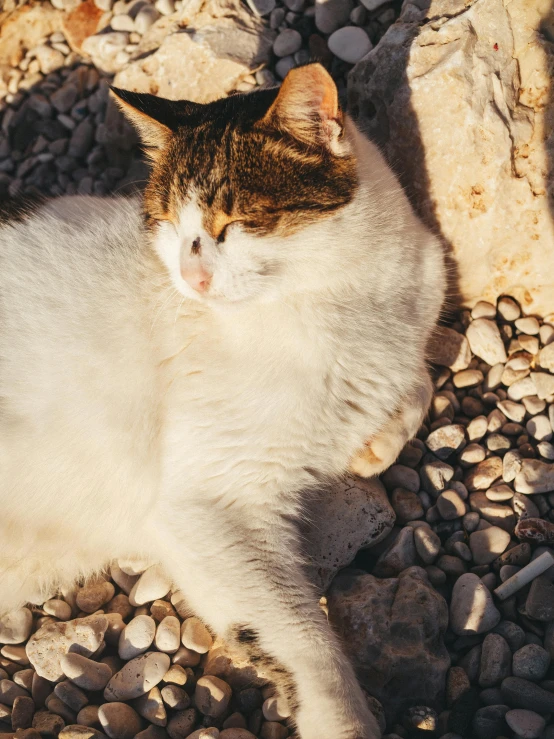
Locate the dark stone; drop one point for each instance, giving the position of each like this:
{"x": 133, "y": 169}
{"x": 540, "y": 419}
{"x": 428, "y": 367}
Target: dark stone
{"x": 520, "y": 693}
{"x": 540, "y": 601}
{"x": 462, "y": 712}
{"x": 489, "y": 722}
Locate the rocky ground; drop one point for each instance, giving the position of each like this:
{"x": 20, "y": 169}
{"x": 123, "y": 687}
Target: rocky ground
{"x": 439, "y": 577}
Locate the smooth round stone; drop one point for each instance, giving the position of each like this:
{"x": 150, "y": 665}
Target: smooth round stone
{"x": 528, "y": 325}
{"x": 133, "y": 566}
{"x": 181, "y": 724}
{"x": 477, "y": 428}
{"x": 529, "y": 343}
{"x": 261, "y": 7}
{"x": 186, "y": 657}
{"x": 284, "y": 65}
{"x": 195, "y": 636}
{"x": 15, "y": 627}
{"x": 483, "y": 309}
{"x": 57, "y": 608}
{"x": 48, "y": 724}
{"x": 450, "y": 505}
{"x": 522, "y": 693}
{"x": 508, "y": 309}
{"x": 500, "y": 493}
{"x": 468, "y": 378}
{"x": 152, "y": 585}
{"x": 471, "y": 521}
{"x": 539, "y": 428}
{"x": 350, "y": 44}
{"x": 88, "y": 716}
{"x": 119, "y": 720}
{"x": 496, "y": 660}
{"x": 446, "y": 440}
{"x": 93, "y": 595}
{"x": 212, "y": 696}
{"x": 406, "y": 504}
{"x": 84, "y": 672}
{"x": 145, "y": 19}
{"x": 472, "y": 454}
{"x": 485, "y": 341}
{"x": 287, "y": 42}
{"x": 493, "y": 379}
{"x": 136, "y": 637}
{"x": 462, "y": 551}
{"x": 168, "y": 635}
{"x": 150, "y": 706}
{"x": 175, "y": 697}
{"x": 522, "y": 388}
{"x": 472, "y": 610}
{"x": 275, "y": 709}
{"x": 533, "y": 404}
{"x": 531, "y": 662}
{"x": 122, "y": 22}
{"x": 488, "y": 544}
{"x": 488, "y": 722}
{"x": 332, "y": 14}
{"x": 525, "y": 724}
{"x": 546, "y": 450}
{"x": 235, "y": 733}
{"x": 137, "y": 677}
{"x": 71, "y": 695}
{"x": 511, "y": 465}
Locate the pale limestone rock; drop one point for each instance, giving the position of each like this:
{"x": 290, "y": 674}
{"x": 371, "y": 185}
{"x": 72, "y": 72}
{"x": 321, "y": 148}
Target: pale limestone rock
{"x": 469, "y": 160}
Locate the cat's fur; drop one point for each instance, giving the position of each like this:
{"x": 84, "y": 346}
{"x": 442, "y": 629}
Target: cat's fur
{"x": 139, "y": 417}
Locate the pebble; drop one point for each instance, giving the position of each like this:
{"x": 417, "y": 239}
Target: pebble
{"x": 540, "y": 600}
{"x": 284, "y": 66}
{"x": 472, "y": 610}
{"x": 136, "y": 637}
{"x": 488, "y": 722}
{"x": 152, "y": 584}
{"x": 544, "y": 384}
{"x": 450, "y": 505}
{"x": 175, "y": 697}
{"x": 487, "y": 545}
{"x": 483, "y": 309}
{"x": 485, "y": 341}
{"x": 77, "y": 731}
{"x": 446, "y": 440}
{"x": 94, "y": 595}
{"x": 213, "y": 733}
{"x": 137, "y": 677}
{"x": 287, "y": 42}
{"x": 522, "y": 388}
{"x": 520, "y": 693}
{"x": 535, "y": 476}
{"x": 23, "y": 711}
{"x": 468, "y": 378}
{"x": 400, "y": 555}
{"x": 48, "y": 724}
{"x": 508, "y": 309}
{"x": 262, "y": 8}
{"x": 15, "y": 627}
{"x": 525, "y": 724}
{"x": 234, "y": 734}
{"x": 168, "y": 635}
{"x": 151, "y": 707}
{"x": 427, "y": 544}
{"x": 528, "y": 325}
{"x": 49, "y": 59}
{"x": 181, "y": 724}
{"x": 84, "y": 672}
{"x": 195, "y": 636}
{"x": 57, "y": 608}
{"x": 350, "y": 44}
{"x": 400, "y": 476}
{"x": 119, "y": 720}
{"x": 496, "y": 660}
{"x": 332, "y": 14}
{"x": 531, "y": 662}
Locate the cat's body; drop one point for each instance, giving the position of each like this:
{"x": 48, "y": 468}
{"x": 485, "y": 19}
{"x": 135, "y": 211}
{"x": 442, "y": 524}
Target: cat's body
{"x": 137, "y": 422}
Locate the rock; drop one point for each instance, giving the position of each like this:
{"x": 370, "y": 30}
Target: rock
{"x": 407, "y": 505}
{"x": 525, "y": 724}
{"x": 435, "y": 477}
{"x": 332, "y": 14}
{"x": 15, "y": 627}
{"x": 485, "y": 341}
{"x": 84, "y": 672}
{"x": 57, "y": 608}
{"x": 181, "y": 724}
{"x": 540, "y": 600}
{"x": 23, "y": 710}
{"x": 513, "y": 411}
{"x": 261, "y": 7}
{"x": 512, "y": 633}
{"x": 80, "y": 22}
{"x": 449, "y": 349}
{"x": 495, "y": 513}
{"x": 104, "y": 48}
{"x": 175, "y": 697}
{"x": 531, "y": 662}
{"x": 468, "y": 378}
{"x": 48, "y": 724}
{"x": 431, "y": 54}
{"x": 400, "y": 476}
{"x": 47, "y": 646}
{"x": 508, "y": 309}
{"x": 81, "y": 141}
{"x": 450, "y": 505}
{"x": 71, "y": 695}
{"x": 520, "y": 693}
{"x": 488, "y": 544}
{"x": 287, "y": 42}
{"x": 136, "y": 637}
{"x": 534, "y": 477}
{"x": 195, "y": 636}
{"x": 489, "y": 721}
{"x": 457, "y": 683}
{"x": 546, "y": 357}
{"x": 168, "y": 635}
{"x": 225, "y": 43}
{"x": 446, "y": 440}
{"x": 472, "y": 610}
{"x": 342, "y": 518}
{"x": 483, "y": 475}
{"x": 9, "y": 691}
{"x": 76, "y": 731}
{"x": 543, "y": 383}
{"x": 400, "y": 555}
{"x": 48, "y": 58}
{"x": 150, "y": 706}
{"x": 137, "y": 677}
{"x": 393, "y": 631}
{"x": 496, "y": 661}
{"x": 92, "y": 596}
{"x": 535, "y": 529}
{"x": 522, "y": 388}
{"x": 350, "y": 44}
{"x": 152, "y": 584}
{"x": 511, "y": 465}
{"x": 119, "y": 720}
{"x": 427, "y": 544}
{"x": 212, "y": 696}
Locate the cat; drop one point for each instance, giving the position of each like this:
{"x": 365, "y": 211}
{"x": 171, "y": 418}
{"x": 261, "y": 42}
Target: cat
{"x": 176, "y": 375}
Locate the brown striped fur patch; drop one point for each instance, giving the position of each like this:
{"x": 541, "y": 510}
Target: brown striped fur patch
{"x": 273, "y": 159}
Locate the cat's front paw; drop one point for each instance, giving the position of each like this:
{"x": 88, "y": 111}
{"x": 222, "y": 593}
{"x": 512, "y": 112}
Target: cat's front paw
{"x": 375, "y": 457}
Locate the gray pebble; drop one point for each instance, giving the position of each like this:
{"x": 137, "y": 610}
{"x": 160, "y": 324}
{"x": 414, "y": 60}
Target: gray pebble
{"x": 472, "y": 610}
{"x": 520, "y": 693}
{"x": 496, "y": 659}
{"x": 287, "y": 43}
{"x": 332, "y": 14}
{"x": 531, "y": 662}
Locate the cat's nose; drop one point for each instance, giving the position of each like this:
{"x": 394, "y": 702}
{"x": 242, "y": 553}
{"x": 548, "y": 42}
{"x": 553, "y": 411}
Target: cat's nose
{"x": 197, "y": 277}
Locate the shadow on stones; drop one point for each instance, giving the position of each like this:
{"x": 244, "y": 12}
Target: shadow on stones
{"x": 371, "y": 89}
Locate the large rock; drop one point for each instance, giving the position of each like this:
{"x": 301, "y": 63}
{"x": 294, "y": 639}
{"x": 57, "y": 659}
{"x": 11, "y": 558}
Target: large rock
{"x": 344, "y": 517}
{"x": 393, "y": 631}
{"x": 219, "y": 44}
{"x": 457, "y": 94}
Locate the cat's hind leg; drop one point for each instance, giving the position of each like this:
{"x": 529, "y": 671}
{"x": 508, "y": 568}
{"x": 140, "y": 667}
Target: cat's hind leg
{"x": 383, "y": 449}
{"x": 249, "y": 587}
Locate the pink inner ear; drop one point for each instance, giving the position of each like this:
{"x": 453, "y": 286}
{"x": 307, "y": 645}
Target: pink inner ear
{"x": 306, "y": 91}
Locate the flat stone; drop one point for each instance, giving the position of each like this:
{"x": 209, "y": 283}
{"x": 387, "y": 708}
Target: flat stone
{"x": 546, "y": 357}
{"x": 151, "y": 585}
{"x": 520, "y": 693}
{"x": 522, "y": 388}
{"x": 472, "y": 610}
{"x": 71, "y": 695}
{"x": 535, "y": 476}
{"x": 544, "y": 383}
{"x": 137, "y": 677}
{"x": 497, "y": 514}
{"x": 525, "y": 724}
{"x": 488, "y": 544}
{"x": 84, "y": 672}
{"x": 349, "y": 44}
{"x": 51, "y": 642}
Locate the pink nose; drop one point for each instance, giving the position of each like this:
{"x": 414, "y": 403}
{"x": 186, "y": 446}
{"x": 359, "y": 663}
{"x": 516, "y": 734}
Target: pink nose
{"x": 198, "y": 278}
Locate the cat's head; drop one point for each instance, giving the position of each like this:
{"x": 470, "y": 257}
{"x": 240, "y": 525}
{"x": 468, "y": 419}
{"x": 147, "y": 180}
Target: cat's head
{"x": 243, "y": 189}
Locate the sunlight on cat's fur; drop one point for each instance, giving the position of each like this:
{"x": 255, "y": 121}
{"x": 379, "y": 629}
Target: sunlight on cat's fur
{"x": 171, "y": 382}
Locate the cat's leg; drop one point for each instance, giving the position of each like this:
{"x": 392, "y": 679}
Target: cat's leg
{"x": 383, "y": 449}
{"x": 249, "y": 587}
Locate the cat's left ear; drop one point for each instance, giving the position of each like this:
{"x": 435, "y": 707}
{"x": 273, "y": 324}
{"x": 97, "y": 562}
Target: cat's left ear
{"x": 307, "y": 107}
{"x": 156, "y": 119}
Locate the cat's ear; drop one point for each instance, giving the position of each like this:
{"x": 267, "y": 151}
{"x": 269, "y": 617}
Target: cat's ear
{"x": 307, "y": 106}
{"x": 156, "y": 119}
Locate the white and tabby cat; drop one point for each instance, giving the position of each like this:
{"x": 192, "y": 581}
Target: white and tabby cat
{"x": 172, "y": 378}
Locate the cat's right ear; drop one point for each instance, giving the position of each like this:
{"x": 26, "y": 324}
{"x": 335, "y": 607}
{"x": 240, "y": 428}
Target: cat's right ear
{"x": 156, "y": 119}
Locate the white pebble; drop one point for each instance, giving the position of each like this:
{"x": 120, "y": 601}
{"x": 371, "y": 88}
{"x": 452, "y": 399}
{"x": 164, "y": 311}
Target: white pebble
{"x": 136, "y": 637}
{"x": 57, "y": 608}
{"x": 483, "y": 309}
{"x": 152, "y": 584}
{"x": 168, "y": 635}
{"x": 350, "y": 44}
{"x": 275, "y": 709}
{"x": 15, "y": 627}
{"x": 539, "y": 428}
{"x": 508, "y": 309}
{"x": 165, "y": 7}
{"x": 137, "y": 677}
{"x": 485, "y": 341}
{"x": 195, "y": 636}
{"x": 528, "y": 325}
{"x": 145, "y": 19}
